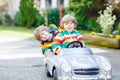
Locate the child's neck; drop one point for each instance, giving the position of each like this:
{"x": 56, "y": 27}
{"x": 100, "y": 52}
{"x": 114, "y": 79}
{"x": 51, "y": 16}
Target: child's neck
{"x": 50, "y": 37}
{"x": 70, "y": 31}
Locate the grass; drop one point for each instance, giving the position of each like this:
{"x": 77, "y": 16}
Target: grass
{"x": 84, "y": 32}
{"x": 17, "y": 32}
{"x": 14, "y": 28}
{"x": 23, "y": 32}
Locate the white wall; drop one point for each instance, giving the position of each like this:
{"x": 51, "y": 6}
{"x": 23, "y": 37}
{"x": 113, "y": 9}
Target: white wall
{"x": 54, "y": 3}
{"x": 13, "y": 7}
{"x": 42, "y": 4}
{"x": 66, "y": 3}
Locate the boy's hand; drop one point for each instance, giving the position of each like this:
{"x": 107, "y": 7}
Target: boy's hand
{"x": 46, "y": 52}
{"x": 83, "y": 47}
{"x": 57, "y": 50}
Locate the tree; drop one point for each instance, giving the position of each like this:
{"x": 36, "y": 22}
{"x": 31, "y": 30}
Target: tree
{"x": 78, "y": 7}
{"x": 28, "y": 13}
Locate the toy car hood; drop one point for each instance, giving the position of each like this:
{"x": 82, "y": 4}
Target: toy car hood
{"x": 80, "y": 57}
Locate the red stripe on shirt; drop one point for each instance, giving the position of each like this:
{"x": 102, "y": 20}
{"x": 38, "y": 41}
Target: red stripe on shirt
{"x": 57, "y": 40}
{"x": 73, "y": 37}
{"x": 81, "y": 39}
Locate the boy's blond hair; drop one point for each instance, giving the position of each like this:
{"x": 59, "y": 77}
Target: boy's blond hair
{"x": 68, "y": 18}
{"x": 39, "y": 30}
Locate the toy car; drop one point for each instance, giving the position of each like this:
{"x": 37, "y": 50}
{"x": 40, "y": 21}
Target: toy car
{"x": 77, "y": 64}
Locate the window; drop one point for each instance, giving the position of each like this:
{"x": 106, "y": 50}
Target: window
{"x": 48, "y": 3}
{"x": 38, "y": 3}
{"x": 60, "y": 3}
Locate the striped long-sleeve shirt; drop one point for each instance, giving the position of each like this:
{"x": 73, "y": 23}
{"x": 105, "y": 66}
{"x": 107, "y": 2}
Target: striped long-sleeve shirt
{"x": 65, "y": 37}
{"x": 46, "y": 45}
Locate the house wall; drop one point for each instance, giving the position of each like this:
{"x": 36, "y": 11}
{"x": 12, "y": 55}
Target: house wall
{"x": 53, "y": 3}
{"x": 13, "y": 7}
{"x": 66, "y": 3}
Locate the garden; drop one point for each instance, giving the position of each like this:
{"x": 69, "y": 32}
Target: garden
{"x": 98, "y": 20}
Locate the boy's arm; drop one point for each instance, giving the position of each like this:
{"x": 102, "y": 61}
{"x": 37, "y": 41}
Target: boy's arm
{"x": 56, "y": 48}
{"x": 56, "y": 45}
{"x": 46, "y": 45}
{"x": 45, "y": 51}
{"x": 81, "y": 39}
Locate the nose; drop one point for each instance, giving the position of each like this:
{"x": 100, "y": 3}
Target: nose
{"x": 69, "y": 24}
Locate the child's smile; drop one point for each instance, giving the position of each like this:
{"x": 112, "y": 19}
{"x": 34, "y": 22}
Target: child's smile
{"x": 69, "y": 26}
{"x": 45, "y": 35}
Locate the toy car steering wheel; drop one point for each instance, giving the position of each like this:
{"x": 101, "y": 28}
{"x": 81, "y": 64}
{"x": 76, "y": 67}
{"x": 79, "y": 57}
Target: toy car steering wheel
{"x": 74, "y": 44}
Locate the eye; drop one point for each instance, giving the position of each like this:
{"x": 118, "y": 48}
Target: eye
{"x": 65, "y": 23}
{"x": 42, "y": 33}
{"x": 72, "y": 24}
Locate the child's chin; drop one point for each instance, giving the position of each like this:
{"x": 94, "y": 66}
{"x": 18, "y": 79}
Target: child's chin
{"x": 70, "y": 30}
{"x": 45, "y": 40}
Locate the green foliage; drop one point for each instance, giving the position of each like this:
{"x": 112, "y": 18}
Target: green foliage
{"x": 6, "y": 17}
{"x": 119, "y": 26}
{"x": 17, "y": 32}
{"x": 7, "y": 20}
{"x": 53, "y": 16}
{"x": 79, "y": 7}
{"x": 102, "y": 41}
{"x": 17, "y": 18}
{"x": 28, "y": 14}
{"x": 106, "y": 20}
{"x": 0, "y": 22}
{"x": 93, "y": 25}
{"x": 39, "y": 20}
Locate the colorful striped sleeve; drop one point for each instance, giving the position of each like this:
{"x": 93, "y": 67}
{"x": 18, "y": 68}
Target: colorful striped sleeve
{"x": 81, "y": 38}
{"x": 46, "y": 51}
{"x": 56, "y": 45}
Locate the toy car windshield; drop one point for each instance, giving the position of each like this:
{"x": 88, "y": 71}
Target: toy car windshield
{"x": 76, "y": 51}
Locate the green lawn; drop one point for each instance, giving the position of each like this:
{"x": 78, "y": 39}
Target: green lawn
{"x": 22, "y": 32}
{"x": 84, "y": 32}
{"x": 17, "y": 32}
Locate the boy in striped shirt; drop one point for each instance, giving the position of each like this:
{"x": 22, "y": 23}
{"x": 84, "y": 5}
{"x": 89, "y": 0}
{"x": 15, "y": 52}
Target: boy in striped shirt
{"x": 45, "y": 35}
{"x": 68, "y": 35}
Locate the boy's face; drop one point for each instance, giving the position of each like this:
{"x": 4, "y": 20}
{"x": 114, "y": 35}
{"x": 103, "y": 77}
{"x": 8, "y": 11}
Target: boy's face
{"x": 69, "y": 26}
{"x": 44, "y": 35}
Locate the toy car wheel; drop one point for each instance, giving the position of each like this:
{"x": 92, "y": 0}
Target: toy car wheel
{"x": 55, "y": 75}
{"x": 47, "y": 72}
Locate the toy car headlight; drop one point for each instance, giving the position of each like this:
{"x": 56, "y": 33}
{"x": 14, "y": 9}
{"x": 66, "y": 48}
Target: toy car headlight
{"x": 105, "y": 64}
{"x": 66, "y": 67}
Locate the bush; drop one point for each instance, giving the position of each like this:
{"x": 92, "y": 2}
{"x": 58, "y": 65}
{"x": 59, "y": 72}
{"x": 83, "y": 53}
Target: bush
{"x": 0, "y": 22}
{"x": 7, "y": 20}
{"x": 119, "y": 26}
{"x": 39, "y": 20}
{"x": 106, "y": 20}
{"x": 79, "y": 7}
{"x": 92, "y": 25}
{"x": 17, "y": 18}
{"x": 28, "y": 15}
{"x": 102, "y": 41}
{"x": 53, "y": 16}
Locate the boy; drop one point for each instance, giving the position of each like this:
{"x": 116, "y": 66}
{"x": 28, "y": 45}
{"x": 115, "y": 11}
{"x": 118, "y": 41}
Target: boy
{"x": 69, "y": 34}
{"x": 45, "y": 35}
